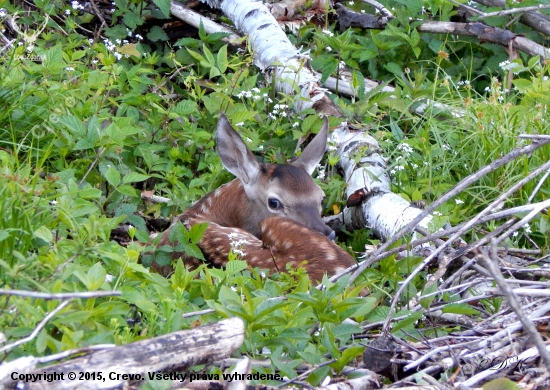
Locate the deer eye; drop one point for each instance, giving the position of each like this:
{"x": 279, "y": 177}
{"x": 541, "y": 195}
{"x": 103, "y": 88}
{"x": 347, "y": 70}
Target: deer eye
{"x": 274, "y": 204}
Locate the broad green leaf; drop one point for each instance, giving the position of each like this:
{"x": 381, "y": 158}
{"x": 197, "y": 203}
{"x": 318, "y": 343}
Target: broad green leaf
{"x": 112, "y": 176}
{"x": 197, "y": 232}
{"x": 222, "y": 59}
{"x": 134, "y": 177}
{"x": 44, "y": 234}
{"x": 411, "y": 319}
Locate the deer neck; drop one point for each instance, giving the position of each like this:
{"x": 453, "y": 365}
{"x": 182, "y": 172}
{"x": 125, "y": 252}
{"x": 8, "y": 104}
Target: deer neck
{"x": 227, "y": 206}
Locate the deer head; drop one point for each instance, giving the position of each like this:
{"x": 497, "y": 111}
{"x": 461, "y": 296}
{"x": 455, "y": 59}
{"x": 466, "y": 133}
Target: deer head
{"x": 275, "y": 190}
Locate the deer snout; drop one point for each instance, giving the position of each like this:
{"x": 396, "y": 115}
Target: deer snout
{"x": 320, "y": 227}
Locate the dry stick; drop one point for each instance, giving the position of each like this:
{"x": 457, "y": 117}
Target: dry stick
{"x": 524, "y": 220}
{"x": 306, "y": 373}
{"x": 491, "y": 264}
{"x": 380, "y": 7}
{"x": 483, "y": 15}
{"x": 539, "y": 185}
{"x": 34, "y": 294}
{"x": 198, "y": 313}
{"x": 463, "y": 184}
{"x": 512, "y": 11}
{"x": 458, "y": 188}
{"x": 92, "y": 165}
{"x": 37, "y": 329}
{"x": 471, "y": 263}
{"x": 536, "y": 20}
{"x": 445, "y": 233}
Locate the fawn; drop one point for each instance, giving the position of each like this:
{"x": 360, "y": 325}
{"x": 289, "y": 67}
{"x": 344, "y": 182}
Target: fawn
{"x": 271, "y": 211}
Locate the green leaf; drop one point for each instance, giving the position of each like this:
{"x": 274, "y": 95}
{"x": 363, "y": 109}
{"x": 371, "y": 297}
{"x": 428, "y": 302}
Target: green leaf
{"x": 329, "y": 67}
{"x": 192, "y": 250}
{"x": 128, "y": 190}
{"x": 347, "y": 356}
{"x": 209, "y": 57}
{"x": 222, "y": 59}
{"x": 186, "y": 107}
{"x": 197, "y": 232}
{"x": 44, "y": 234}
{"x": 459, "y": 308}
{"x": 134, "y": 177}
{"x": 163, "y": 258}
{"x": 501, "y": 384}
{"x": 112, "y": 176}
{"x": 164, "y": 6}
{"x": 411, "y": 319}
{"x": 426, "y": 302}
{"x": 157, "y": 34}
{"x": 235, "y": 266}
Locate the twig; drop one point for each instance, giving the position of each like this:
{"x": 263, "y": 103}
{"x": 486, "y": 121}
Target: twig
{"x": 198, "y": 313}
{"x": 38, "y": 328}
{"x": 524, "y": 220}
{"x": 380, "y": 7}
{"x": 306, "y": 373}
{"x": 92, "y": 165}
{"x": 155, "y": 198}
{"x": 512, "y": 11}
{"x": 491, "y": 263}
{"x": 459, "y": 187}
{"x": 34, "y": 294}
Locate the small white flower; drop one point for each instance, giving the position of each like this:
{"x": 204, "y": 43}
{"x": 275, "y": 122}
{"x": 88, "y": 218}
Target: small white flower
{"x": 69, "y": 69}
{"x": 329, "y": 48}
{"x": 139, "y": 37}
{"x": 257, "y": 90}
{"x": 351, "y": 2}
{"x": 459, "y": 201}
{"x": 109, "y": 278}
{"x": 3, "y": 13}
{"x": 67, "y": 11}
{"x": 328, "y": 32}
{"x": 241, "y": 124}
{"x": 295, "y": 124}
{"x": 53, "y": 203}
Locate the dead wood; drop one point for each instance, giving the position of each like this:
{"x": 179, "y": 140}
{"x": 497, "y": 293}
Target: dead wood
{"x": 173, "y": 352}
{"x": 481, "y": 31}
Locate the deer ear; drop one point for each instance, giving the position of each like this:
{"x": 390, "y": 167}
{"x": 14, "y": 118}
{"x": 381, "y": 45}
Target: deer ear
{"x": 314, "y": 152}
{"x": 235, "y": 155}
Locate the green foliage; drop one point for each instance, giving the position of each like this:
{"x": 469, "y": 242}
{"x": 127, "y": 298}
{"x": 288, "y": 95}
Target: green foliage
{"x": 86, "y": 126}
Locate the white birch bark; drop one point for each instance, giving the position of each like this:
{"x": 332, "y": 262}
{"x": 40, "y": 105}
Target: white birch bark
{"x": 385, "y": 212}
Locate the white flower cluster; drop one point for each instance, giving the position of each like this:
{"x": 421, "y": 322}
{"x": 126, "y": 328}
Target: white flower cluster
{"x": 3, "y": 13}
{"x": 278, "y": 109}
{"x": 254, "y": 94}
{"x": 320, "y": 172}
{"x": 328, "y": 32}
{"x": 236, "y": 245}
{"x": 406, "y": 149}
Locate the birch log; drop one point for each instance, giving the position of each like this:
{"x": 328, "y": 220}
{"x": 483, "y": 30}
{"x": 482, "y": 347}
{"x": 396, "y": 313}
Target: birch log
{"x": 384, "y": 211}
{"x": 131, "y": 364}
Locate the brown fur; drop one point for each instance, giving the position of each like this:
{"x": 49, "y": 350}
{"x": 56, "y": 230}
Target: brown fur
{"x": 242, "y": 211}
{"x": 266, "y": 251}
